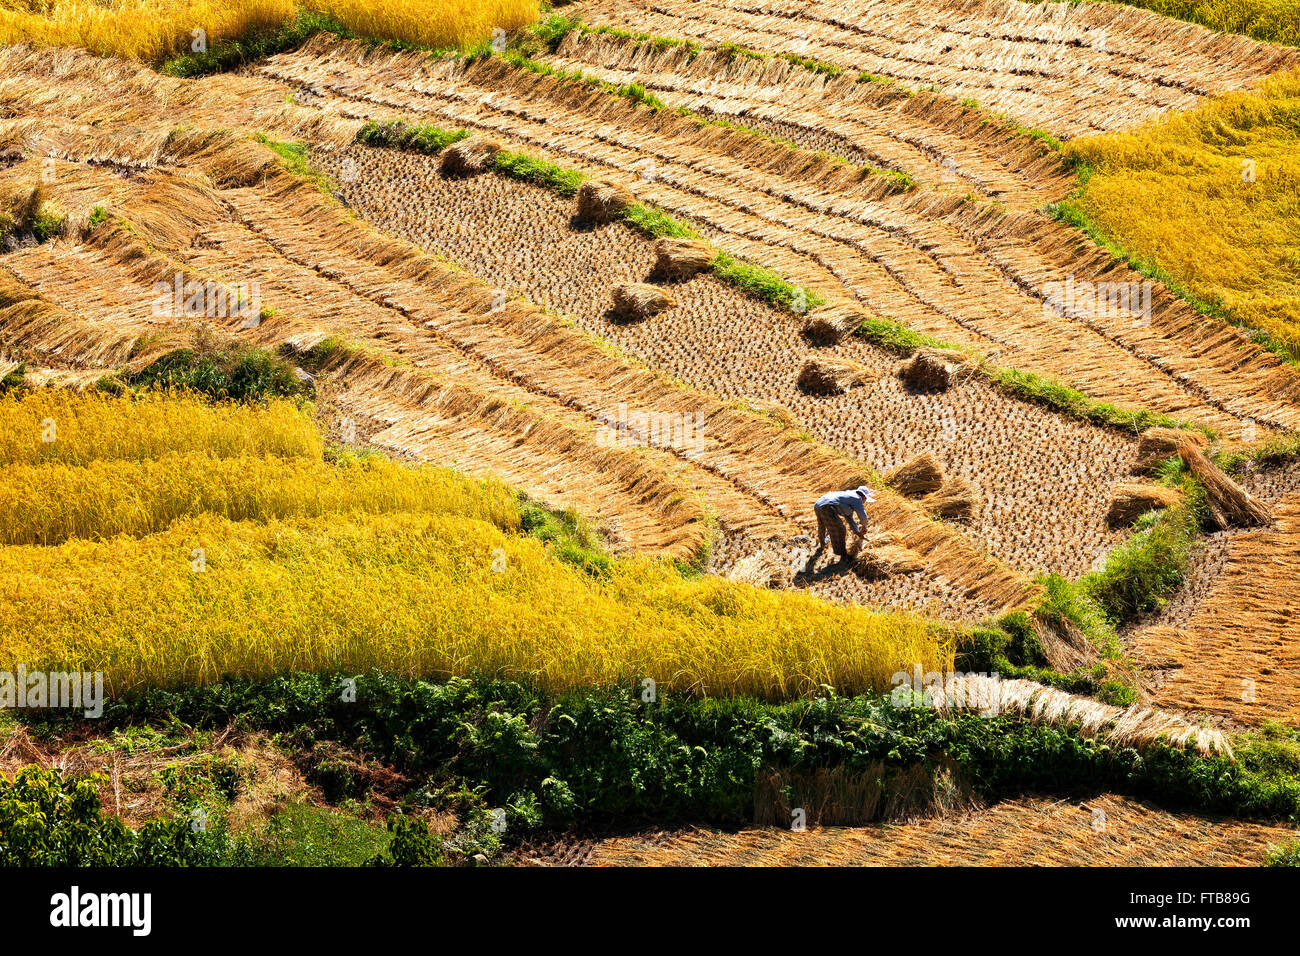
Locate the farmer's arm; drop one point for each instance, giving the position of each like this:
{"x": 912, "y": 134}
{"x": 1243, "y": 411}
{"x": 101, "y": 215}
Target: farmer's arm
{"x": 861, "y": 509}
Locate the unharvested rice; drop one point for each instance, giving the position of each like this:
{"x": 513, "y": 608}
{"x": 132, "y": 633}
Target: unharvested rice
{"x": 415, "y": 571}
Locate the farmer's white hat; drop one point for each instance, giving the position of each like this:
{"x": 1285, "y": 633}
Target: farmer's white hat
{"x": 868, "y": 494}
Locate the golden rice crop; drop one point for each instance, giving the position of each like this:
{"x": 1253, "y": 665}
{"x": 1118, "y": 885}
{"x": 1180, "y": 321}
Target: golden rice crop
{"x": 434, "y": 23}
{"x": 155, "y": 30}
{"x": 147, "y": 30}
{"x": 52, "y": 502}
{"x": 431, "y": 595}
{"x": 1210, "y": 198}
{"x": 58, "y": 425}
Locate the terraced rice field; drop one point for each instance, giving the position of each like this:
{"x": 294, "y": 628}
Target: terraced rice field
{"x": 897, "y": 160}
{"x": 961, "y": 271}
{"x": 1027, "y": 463}
{"x": 1230, "y": 647}
{"x": 1068, "y": 69}
{"x": 491, "y": 383}
{"x": 1104, "y": 831}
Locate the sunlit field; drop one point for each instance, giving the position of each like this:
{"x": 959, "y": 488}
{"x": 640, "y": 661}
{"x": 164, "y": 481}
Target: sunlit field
{"x": 1211, "y": 198}
{"x": 154, "y": 30}
{"x": 166, "y": 568}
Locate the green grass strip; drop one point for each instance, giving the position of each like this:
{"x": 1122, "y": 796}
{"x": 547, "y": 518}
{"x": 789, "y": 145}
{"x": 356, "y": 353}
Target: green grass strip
{"x": 656, "y": 223}
{"x": 896, "y": 337}
{"x": 1052, "y": 394}
{"x": 764, "y": 284}
{"x": 416, "y": 138}
{"x": 540, "y": 172}
{"x": 1026, "y": 386}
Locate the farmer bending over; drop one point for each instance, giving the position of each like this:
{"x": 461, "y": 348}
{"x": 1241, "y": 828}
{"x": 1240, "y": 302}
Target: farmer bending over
{"x": 833, "y": 510}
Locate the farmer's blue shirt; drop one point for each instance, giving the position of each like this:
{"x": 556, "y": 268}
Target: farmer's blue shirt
{"x": 847, "y": 504}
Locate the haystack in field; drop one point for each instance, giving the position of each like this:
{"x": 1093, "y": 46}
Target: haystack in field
{"x": 831, "y": 376}
{"x": 681, "y": 258}
{"x": 601, "y": 201}
{"x": 470, "y": 156}
{"x": 1130, "y": 500}
{"x": 827, "y": 324}
{"x": 885, "y": 561}
{"x": 932, "y": 370}
{"x": 1157, "y": 444}
{"x": 920, "y": 476}
{"x": 1228, "y": 503}
{"x": 640, "y": 300}
{"x": 955, "y": 500}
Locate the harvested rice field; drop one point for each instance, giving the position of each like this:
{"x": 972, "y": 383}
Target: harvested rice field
{"x": 426, "y": 434}
{"x": 524, "y": 240}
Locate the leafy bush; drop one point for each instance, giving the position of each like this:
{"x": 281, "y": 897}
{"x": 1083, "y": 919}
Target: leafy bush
{"x": 1143, "y": 571}
{"x": 47, "y": 819}
{"x": 13, "y": 379}
{"x": 412, "y": 844}
{"x": 233, "y": 372}
{"x": 1288, "y": 855}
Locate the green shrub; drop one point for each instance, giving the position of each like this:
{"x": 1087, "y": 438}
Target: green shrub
{"x": 47, "y": 819}
{"x": 232, "y": 372}
{"x": 13, "y": 379}
{"x": 1141, "y": 573}
{"x": 411, "y": 844}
